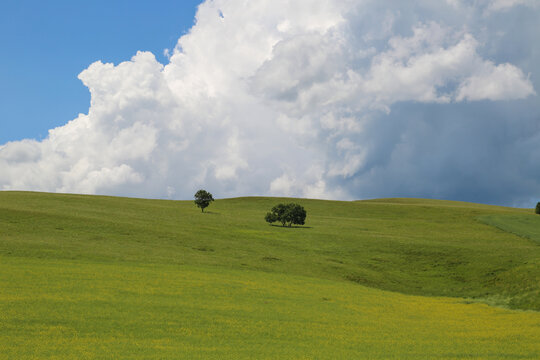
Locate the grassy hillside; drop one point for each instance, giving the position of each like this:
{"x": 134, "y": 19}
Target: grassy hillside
{"x": 524, "y": 225}
{"x": 104, "y": 277}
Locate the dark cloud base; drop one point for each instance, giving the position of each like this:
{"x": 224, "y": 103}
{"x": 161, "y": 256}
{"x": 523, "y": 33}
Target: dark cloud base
{"x": 485, "y": 152}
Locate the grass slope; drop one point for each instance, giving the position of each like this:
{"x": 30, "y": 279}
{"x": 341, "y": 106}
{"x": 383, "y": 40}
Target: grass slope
{"x": 104, "y": 277}
{"x": 524, "y": 225}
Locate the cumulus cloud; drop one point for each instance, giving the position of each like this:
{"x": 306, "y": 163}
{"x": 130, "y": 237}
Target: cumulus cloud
{"x": 502, "y": 82}
{"x": 303, "y": 99}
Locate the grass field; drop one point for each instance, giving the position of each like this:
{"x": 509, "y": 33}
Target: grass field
{"x": 109, "y": 278}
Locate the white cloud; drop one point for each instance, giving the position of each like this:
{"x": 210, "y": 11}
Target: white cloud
{"x": 501, "y": 5}
{"x": 501, "y": 82}
{"x": 311, "y": 185}
{"x": 267, "y": 97}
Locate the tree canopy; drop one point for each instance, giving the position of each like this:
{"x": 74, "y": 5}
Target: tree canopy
{"x": 203, "y": 198}
{"x": 537, "y": 208}
{"x": 287, "y": 214}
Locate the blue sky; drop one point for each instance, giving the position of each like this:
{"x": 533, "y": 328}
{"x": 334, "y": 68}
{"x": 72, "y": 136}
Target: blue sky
{"x": 46, "y": 44}
{"x": 334, "y": 99}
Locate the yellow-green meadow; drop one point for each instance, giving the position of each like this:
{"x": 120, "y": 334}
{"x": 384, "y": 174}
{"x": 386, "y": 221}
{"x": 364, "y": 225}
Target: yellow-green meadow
{"x": 87, "y": 277}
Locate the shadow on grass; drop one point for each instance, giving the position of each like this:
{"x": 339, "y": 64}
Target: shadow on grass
{"x": 292, "y": 227}
{"x": 211, "y": 213}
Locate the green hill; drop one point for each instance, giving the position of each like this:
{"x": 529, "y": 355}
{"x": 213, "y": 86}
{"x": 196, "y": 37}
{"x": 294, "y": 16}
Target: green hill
{"x": 105, "y": 277}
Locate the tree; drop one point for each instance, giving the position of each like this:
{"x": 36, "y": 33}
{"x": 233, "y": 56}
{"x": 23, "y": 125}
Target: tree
{"x": 203, "y": 199}
{"x": 297, "y": 214}
{"x": 278, "y": 213}
{"x": 287, "y": 214}
{"x": 271, "y": 217}
{"x": 537, "y": 208}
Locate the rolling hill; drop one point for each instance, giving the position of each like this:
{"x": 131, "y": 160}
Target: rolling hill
{"x": 105, "y": 277}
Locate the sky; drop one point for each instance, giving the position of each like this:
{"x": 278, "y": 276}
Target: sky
{"x": 46, "y": 44}
{"x": 330, "y": 99}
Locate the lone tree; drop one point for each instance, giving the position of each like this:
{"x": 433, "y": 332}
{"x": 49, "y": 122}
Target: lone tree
{"x": 537, "y": 208}
{"x": 287, "y": 214}
{"x": 203, "y": 199}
